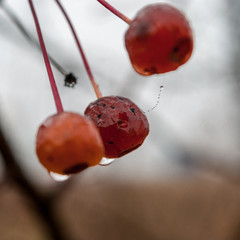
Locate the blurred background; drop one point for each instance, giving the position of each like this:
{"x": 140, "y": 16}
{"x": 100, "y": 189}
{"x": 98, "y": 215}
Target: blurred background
{"x": 183, "y": 183}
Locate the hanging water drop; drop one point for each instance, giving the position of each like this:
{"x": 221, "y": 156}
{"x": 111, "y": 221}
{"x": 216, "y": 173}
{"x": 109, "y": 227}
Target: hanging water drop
{"x": 106, "y": 161}
{"x": 59, "y": 177}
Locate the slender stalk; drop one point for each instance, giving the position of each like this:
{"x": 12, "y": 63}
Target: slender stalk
{"x": 87, "y": 67}
{"x": 158, "y": 100}
{"x": 115, "y": 11}
{"x": 13, "y": 17}
{"x": 56, "y": 96}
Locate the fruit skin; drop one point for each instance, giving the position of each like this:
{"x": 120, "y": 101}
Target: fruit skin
{"x": 68, "y": 143}
{"x": 122, "y": 125}
{"x": 159, "y": 39}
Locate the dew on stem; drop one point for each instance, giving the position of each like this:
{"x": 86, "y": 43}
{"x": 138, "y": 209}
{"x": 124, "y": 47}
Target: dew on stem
{"x": 158, "y": 99}
{"x": 56, "y": 95}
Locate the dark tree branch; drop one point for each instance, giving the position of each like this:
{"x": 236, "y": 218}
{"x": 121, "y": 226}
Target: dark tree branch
{"x": 41, "y": 203}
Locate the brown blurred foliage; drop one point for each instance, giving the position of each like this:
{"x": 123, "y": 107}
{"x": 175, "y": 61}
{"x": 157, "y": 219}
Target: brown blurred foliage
{"x": 196, "y": 208}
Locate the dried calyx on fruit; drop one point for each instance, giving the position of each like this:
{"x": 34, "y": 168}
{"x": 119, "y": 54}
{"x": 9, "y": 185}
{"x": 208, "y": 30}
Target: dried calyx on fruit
{"x": 122, "y": 125}
{"x": 70, "y": 80}
{"x": 68, "y": 143}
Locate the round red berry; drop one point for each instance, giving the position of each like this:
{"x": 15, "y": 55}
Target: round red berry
{"x": 68, "y": 143}
{"x": 159, "y": 39}
{"x": 122, "y": 125}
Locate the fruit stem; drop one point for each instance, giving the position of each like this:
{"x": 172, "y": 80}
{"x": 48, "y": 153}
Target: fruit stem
{"x": 115, "y": 11}
{"x": 56, "y": 96}
{"x": 29, "y": 37}
{"x": 87, "y": 67}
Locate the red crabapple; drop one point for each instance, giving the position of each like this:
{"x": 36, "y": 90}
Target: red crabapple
{"x": 122, "y": 125}
{"x": 159, "y": 39}
{"x": 68, "y": 143}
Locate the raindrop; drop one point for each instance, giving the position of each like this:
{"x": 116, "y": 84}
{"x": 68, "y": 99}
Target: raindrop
{"x": 59, "y": 177}
{"x": 106, "y": 161}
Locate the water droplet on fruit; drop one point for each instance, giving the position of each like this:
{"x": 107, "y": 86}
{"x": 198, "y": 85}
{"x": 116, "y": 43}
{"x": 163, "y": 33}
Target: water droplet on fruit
{"x": 59, "y": 177}
{"x": 106, "y": 161}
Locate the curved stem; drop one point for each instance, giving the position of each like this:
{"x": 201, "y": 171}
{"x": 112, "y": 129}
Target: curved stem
{"x": 115, "y": 11}
{"x": 56, "y": 96}
{"x": 87, "y": 67}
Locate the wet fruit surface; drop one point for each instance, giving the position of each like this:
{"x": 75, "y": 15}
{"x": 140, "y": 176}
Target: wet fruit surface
{"x": 122, "y": 125}
{"x": 68, "y": 143}
{"x": 159, "y": 39}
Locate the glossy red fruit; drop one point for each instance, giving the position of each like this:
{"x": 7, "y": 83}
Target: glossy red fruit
{"x": 122, "y": 125}
{"x": 159, "y": 39}
{"x": 68, "y": 143}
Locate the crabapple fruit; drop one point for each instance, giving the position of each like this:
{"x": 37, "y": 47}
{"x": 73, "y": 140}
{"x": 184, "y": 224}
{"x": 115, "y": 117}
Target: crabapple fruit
{"x": 122, "y": 125}
{"x": 68, "y": 143}
{"x": 159, "y": 39}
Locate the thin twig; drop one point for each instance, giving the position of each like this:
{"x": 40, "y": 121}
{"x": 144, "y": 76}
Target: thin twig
{"x": 28, "y": 36}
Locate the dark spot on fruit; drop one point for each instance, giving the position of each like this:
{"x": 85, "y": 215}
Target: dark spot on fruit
{"x": 76, "y": 168}
{"x": 104, "y": 105}
{"x": 150, "y": 70}
{"x": 132, "y": 110}
{"x": 122, "y": 123}
{"x": 180, "y": 50}
{"x": 50, "y": 158}
{"x": 142, "y": 30}
{"x": 112, "y": 107}
{"x": 99, "y": 115}
{"x": 110, "y": 142}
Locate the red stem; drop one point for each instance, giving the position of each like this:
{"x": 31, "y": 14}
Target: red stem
{"x": 87, "y": 67}
{"x": 115, "y": 11}
{"x": 56, "y": 96}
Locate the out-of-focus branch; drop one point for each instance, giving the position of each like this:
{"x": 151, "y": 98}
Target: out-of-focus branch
{"x": 41, "y": 203}
{"x": 27, "y": 35}
{"x": 70, "y": 78}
